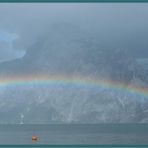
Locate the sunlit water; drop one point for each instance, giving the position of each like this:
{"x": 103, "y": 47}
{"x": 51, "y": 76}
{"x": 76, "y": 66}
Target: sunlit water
{"x": 75, "y": 134}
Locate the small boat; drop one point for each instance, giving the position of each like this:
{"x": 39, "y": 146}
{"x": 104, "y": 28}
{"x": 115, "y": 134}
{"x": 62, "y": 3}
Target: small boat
{"x": 35, "y": 138}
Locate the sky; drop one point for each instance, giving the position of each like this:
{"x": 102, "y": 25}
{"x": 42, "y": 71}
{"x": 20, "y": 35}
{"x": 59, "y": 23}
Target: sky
{"x": 114, "y": 25}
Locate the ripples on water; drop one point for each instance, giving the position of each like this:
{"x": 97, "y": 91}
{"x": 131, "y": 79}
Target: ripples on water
{"x": 75, "y": 134}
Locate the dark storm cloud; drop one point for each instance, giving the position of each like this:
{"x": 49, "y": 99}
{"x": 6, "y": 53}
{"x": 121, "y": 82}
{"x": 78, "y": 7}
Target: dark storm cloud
{"x": 115, "y": 25}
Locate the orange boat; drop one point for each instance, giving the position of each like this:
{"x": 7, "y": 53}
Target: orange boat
{"x": 35, "y": 138}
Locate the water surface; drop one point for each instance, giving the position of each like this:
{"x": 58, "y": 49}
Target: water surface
{"x": 75, "y": 134}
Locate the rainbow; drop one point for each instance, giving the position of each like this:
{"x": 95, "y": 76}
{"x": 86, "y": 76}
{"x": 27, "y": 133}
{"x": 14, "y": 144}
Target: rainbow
{"x": 72, "y": 80}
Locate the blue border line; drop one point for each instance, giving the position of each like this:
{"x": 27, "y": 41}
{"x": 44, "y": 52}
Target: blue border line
{"x": 83, "y": 146}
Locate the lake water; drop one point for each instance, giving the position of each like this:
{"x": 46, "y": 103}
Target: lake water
{"x": 75, "y": 134}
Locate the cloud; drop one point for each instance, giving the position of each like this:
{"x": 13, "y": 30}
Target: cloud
{"x": 114, "y": 25}
{"x": 7, "y": 50}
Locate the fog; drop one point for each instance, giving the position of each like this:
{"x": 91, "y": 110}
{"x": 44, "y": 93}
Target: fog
{"x": 112, "y": 25}
{"x": 73, "y": 63}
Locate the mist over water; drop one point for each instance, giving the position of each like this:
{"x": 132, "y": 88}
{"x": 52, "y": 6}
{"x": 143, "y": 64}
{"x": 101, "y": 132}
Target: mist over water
{"x": 54, "y": 57}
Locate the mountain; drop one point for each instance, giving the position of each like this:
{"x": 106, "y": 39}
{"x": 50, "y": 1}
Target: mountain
{"x": 68, "y": 50}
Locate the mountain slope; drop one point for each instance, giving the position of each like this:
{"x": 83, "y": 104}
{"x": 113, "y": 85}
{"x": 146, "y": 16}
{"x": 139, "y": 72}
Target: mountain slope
{"x": 67, "y": 50}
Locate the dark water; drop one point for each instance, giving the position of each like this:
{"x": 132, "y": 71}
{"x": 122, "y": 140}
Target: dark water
{"x": 75, "y": 134}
